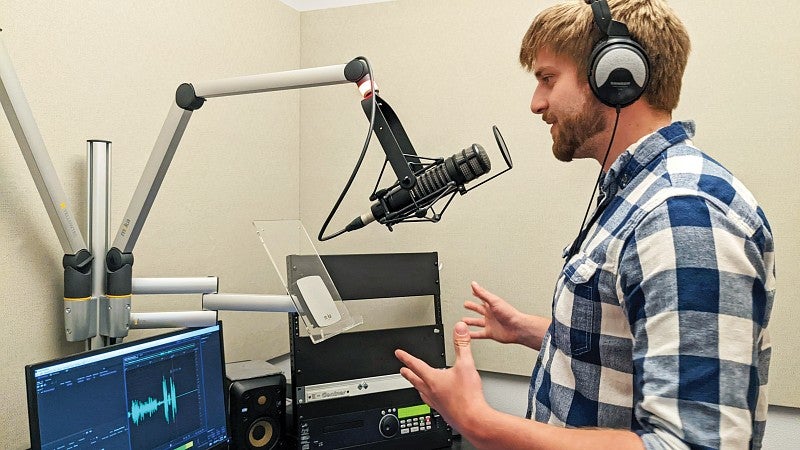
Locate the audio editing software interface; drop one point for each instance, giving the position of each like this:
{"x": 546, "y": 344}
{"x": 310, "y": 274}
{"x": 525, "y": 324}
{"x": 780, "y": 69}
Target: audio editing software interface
{"x": 164, "y": 392}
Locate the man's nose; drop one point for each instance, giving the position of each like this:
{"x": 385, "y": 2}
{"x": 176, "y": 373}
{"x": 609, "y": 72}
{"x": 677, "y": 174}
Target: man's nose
{"x": 538, "y": 103}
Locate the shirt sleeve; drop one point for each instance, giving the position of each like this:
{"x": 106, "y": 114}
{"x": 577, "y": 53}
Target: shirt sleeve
{"x": 693, "y": 288}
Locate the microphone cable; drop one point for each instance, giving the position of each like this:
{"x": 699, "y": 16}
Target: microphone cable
{"x": 581, "y": 232}
{"x": 349, "y": 183}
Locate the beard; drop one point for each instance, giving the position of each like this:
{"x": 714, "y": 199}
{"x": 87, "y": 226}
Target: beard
{"x": 574, "y": 131}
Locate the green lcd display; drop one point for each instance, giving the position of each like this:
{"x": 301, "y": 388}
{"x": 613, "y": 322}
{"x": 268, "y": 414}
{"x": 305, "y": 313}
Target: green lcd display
{"x": 412, "y": 411}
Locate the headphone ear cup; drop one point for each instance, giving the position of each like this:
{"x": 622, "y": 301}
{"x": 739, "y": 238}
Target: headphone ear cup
{"x": 619, "y": 71}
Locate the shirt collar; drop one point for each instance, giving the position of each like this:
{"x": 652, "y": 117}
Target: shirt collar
{"x": 643, "y": 152}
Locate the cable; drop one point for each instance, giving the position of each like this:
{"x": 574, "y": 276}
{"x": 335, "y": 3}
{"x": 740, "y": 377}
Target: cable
{"x": 358, "y": 163}
{"x": 579, "y": 240}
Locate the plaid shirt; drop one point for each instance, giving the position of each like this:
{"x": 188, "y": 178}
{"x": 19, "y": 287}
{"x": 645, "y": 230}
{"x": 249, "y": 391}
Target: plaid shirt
{"x": 660, "y": 319}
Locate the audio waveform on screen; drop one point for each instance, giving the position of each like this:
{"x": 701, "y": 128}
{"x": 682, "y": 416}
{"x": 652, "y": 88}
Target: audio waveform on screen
{"x": 147, "y": 408}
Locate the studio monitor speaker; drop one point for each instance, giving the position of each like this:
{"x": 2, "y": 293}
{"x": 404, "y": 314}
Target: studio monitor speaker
{"x": 257, "y": 411}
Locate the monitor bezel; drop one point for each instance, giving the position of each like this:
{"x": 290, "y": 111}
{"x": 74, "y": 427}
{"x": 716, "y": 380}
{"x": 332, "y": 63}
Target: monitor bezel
{"x": 30, "y": 381}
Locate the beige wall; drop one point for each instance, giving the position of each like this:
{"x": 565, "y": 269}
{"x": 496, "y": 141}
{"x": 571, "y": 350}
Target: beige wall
{"x": 449, "y": 68}
{"x": 109, "y": 70}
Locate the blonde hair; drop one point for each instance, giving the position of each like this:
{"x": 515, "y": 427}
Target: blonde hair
{"x": 568, "y": 29}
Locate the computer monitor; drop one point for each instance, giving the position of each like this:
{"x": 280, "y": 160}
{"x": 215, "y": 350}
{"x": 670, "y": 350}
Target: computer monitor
{"x": 162, "y": 392}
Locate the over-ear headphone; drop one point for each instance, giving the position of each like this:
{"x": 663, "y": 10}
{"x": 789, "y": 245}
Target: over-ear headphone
{"x": 619, "y": 69}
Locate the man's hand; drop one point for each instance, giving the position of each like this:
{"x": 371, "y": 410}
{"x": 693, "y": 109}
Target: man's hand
{"x": 502, "y": 322}
{"x": 456, "y": 393}
{"x": 499, "y": 321}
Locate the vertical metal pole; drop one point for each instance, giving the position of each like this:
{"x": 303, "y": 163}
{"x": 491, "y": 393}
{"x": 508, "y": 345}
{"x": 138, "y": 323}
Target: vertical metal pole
{"x": 99, "y": 188}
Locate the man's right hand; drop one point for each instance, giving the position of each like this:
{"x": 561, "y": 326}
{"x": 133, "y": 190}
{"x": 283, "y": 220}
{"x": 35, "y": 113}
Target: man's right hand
{"x": 502, "y": 322}
{"x": 499, "y": 321}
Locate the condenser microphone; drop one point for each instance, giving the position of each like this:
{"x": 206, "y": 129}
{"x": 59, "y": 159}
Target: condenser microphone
{"x": 433, "y": 183}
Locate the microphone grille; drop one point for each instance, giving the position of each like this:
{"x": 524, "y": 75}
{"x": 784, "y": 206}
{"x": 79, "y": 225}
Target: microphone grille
{"x": 473, "y": 162}
{"x": 463, "y": 167}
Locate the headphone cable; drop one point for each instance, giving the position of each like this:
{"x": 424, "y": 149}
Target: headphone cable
{"x": 581, "y": 232}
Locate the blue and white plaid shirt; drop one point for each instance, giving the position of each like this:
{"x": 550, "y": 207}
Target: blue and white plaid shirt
{"x": 660, "y": 319}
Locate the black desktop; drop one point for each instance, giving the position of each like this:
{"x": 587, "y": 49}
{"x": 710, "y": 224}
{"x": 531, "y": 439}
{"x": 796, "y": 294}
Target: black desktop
{"x": 163, "y": 392}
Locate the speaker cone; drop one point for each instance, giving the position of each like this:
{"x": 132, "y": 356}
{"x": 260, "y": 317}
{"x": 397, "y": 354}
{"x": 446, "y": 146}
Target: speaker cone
{"x": 261, "y": 433}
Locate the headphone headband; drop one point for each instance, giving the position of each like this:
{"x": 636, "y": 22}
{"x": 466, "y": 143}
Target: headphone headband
{"x": 602, "y": 15}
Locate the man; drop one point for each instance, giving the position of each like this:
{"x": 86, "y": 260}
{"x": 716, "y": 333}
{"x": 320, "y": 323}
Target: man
{"x": 658, "y": 335}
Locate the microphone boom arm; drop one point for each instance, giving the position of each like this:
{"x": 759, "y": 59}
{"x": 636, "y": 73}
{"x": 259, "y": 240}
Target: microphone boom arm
{"x": 109, "y": 279}
{"x": 393, "y": 139}
{"x": 80, "y": 307}
{"x": 188, "y": 98}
